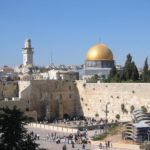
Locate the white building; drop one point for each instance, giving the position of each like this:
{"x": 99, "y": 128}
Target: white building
{"x": 60, "y": 75}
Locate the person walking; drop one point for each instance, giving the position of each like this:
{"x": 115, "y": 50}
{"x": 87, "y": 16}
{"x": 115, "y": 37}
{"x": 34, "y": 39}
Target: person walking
{"x": 64, "y": 147}
{"x": 72, "y": 142}
{"x": 83, "y": 146}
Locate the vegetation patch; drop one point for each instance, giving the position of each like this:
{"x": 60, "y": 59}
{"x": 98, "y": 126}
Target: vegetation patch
{"x": 111, "y": 131}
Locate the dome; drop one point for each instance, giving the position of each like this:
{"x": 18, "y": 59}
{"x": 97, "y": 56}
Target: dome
{"x": 27, "y": 43}
{"x": 99, "y": 52}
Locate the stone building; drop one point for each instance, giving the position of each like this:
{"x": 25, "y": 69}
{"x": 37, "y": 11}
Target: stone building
{"x": 60, "y": 75}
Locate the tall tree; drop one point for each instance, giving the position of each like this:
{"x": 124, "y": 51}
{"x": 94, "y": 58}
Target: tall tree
{"x": 135, "y": 73}
{"x": 127, "y": 70}
{"x": 114, "y": 75}
{"x": 145, "y": 73}
{"x": 13, "y": 132}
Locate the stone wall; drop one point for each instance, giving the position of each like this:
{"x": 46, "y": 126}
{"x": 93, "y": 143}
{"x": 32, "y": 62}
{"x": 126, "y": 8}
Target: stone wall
{"x": 94, "y": 97}
{"x": 22, "y": 104}
{"x": 50, "y": 98}
{"x": 8, "y": 90}
{"x": 24, "y": 89}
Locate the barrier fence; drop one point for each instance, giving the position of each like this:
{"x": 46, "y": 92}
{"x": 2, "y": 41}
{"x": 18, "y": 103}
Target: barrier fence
{"x": 53, "y": 127}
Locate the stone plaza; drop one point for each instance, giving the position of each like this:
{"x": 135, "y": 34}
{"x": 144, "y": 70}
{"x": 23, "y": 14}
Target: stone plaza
{"x": 52, "y": 145}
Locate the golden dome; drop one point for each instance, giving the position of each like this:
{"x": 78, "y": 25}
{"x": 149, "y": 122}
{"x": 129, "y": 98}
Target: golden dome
{"x": 99, "y": 52}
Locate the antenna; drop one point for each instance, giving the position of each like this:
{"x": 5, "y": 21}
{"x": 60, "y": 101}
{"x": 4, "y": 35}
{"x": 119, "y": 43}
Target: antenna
{"x": 51, "y": 58}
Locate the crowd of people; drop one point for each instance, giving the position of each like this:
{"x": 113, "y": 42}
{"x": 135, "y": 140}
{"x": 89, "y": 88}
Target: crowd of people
{"x": 81, "y": 137}
{"x": 78, "y": 138}
{"x": 106, "y": 145}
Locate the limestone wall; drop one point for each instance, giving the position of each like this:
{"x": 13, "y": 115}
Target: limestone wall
{"x": 8, "y": 89}
{"x": 50, "y": 98}
{"x": 94, "y": 97}
{"x": 21, "y": 104}
{"x": 24, "y": 89}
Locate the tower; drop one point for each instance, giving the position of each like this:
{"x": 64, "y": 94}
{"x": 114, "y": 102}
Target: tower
{"x": 27, "y": 54}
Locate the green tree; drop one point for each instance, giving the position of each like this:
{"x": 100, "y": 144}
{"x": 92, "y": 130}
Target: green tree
{"x": 145, "y": 74}
{"x": 135, "y": 73}
{"x": 29, "y": 143}
{"x": 113, "y": 71}
{"x": 13, "y": 132}
{"x": 127, "y": 70}
{"x": 112, "y": 74}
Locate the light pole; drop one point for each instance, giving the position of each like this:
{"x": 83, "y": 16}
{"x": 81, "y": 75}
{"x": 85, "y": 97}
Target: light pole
{"x": 106, "y": 112}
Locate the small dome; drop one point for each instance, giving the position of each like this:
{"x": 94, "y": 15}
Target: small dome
{"x": 27, "y": 43}
{"x": 99, "y": 52}
{"x": 28, "y": 40}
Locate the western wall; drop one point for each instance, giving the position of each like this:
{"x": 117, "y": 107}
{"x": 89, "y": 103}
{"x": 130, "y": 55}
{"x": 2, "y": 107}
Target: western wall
{"x": 95, "y": 96}
{"x": 52, "y": 98}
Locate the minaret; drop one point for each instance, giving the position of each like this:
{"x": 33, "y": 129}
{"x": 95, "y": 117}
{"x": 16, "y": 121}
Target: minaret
{"x": 27, "y": 54}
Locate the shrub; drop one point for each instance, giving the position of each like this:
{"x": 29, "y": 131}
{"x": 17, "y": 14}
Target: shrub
{"x": 118, "y": 116}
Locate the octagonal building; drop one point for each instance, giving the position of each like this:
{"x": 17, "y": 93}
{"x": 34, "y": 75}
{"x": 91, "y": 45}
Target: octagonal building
{"x": 99, "y": 61}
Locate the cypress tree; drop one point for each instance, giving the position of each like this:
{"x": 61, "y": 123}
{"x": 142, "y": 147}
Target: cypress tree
{"x": 127, "y": 70}
{"x": 112, "y": 74}
{"x": 145, "y": 74}
{"x": 135, "y": 73}
{"x": 149, "y": 76}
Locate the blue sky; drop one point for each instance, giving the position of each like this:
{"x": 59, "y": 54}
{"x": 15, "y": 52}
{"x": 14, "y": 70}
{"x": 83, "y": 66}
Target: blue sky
{"x": 68, "y": 28}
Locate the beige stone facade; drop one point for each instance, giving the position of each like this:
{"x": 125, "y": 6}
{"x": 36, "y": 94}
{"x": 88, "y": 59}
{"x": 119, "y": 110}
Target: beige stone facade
{"x": 95, "y": 96}
{"x": 50, "y": 98}
{"x": 53, "y": 98}
{"x": 8, "y": 90}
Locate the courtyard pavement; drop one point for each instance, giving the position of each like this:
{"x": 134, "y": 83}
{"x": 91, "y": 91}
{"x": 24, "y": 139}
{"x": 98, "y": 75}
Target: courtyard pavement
{"x": 51, "y": 145}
